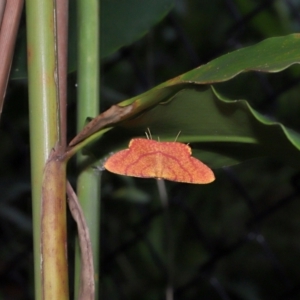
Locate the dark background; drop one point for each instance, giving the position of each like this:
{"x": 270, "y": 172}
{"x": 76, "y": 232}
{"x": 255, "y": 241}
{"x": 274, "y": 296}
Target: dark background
{"x": 237, "y": 238}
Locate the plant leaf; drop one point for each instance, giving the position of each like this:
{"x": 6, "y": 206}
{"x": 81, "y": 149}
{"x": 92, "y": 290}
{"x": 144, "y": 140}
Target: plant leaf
{"x": 270, "y": 55}
{"x": 222, "y": 132}
{"x": 122, "y": 23}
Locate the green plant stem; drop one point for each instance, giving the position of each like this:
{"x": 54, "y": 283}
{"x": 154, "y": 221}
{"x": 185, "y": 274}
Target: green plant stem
{"x": 88, "y": 185}
{"x": 44, "y": 136}
{"x": 167, "y": 238}
{"x": 54, "y": 231}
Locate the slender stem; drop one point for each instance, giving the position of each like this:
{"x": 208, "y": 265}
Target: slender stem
{"x": 8, "y": 35}
{"x": 88, "y": 185}
{"x": 167, "y": 238}
{"x": 2, "y": 8}
{"x": 87, "y": 281}
{"x": 44, "y": 136}
{"x": 54, "y": 232}
{"x": 62, "y": 46}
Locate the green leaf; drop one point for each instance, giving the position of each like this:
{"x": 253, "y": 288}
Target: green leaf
{"x": 220, "y": 132}
{"x": 270, "y": 55}
{"x": 122, "y": 23}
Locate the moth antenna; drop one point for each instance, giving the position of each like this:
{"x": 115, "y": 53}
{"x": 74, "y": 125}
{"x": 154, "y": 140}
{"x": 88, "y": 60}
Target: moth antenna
{"x": 149, "y": 132}
{"x": 158, "y": 139}
{"x": 147, "y": 136}
{"x": 177, "y": 136}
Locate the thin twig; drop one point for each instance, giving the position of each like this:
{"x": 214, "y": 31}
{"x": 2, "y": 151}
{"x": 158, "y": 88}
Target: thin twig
{"x": 8, "y": 34}
{"x": 2, "y": 8}
{"x": 167, "y": 238}
{"x": 87, "y": 282}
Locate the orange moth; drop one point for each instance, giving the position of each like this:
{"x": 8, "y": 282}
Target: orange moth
{"x": 148, "y": 158}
